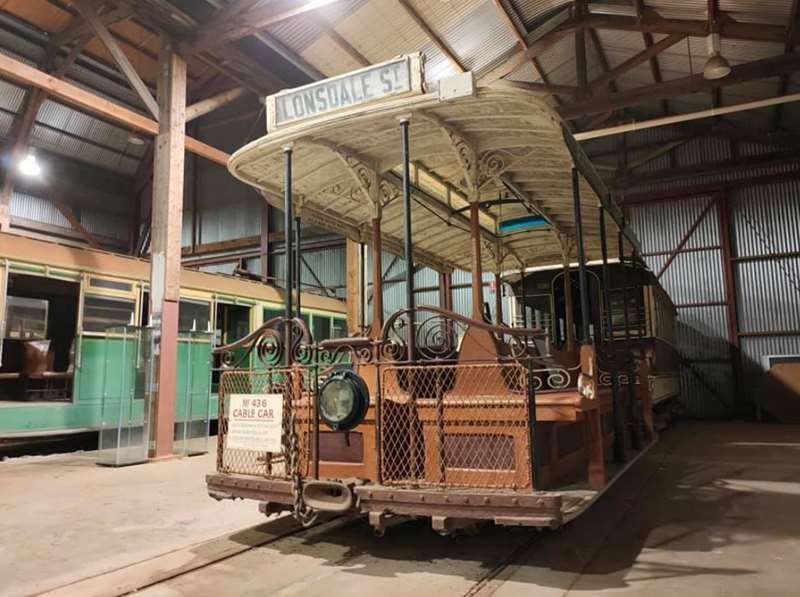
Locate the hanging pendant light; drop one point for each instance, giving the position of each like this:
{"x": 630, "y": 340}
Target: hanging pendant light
{"x": 717, "y": 66}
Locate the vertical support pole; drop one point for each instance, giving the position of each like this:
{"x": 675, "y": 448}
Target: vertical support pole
{"x": 569, "y": 310}
{"x": 377, "y": 276}
{"x": 576, "y": 197}
{"x": 532, "y": 430}
{"x": 407, "y": 240}
{"x": 165, "y": 263}
{"x": 477, "y": 265}
{"x": 522, "y": 298}
{"x": 298, "y": 264}
{"x": 498, "y": 300}
{"x": 611, "y": 353}
{"x": 632, "y": 417}
{"x": 288, "y": 219}
{"x": 264, "y": 244}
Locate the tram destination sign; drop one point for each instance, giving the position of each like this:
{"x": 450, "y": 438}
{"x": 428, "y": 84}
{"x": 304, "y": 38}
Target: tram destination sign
{"x": 397, "y": 77}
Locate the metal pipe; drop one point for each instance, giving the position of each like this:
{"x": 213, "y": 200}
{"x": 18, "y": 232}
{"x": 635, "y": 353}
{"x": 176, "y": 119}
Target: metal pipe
{"x": 532, "y": 431}
{"x": 287, "y": 227}
{"x": 667, "y": 120}
{"x": 611, "y": 353}
{"x": 298, "y": 264}
{"x": 576, "y": 196}
{"x": 407, "y": 241}
{"x": 522, "y": 297}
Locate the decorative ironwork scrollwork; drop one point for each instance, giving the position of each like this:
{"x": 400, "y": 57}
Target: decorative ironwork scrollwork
{"x": 269, "y": 345}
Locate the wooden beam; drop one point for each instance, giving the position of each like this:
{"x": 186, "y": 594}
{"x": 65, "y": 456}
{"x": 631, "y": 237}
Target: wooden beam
{"x": 534, "y": 48}
{"x": 87, "y": 10}
{"x": 651, "y": 23}
{"x": 432, "y": 35}
{"x": 791, "y": 27}
{"x": 95, "y": 104}
{"x": 212, "y": 103}
{"x": 75, "y": 222}
{"x": 231, "y": 28}
{"x": 340, "y": 41}
{"x": 81, "y": 28}
{"x": 165, "y": 254}
{"x": 510, "y": 18}
{"x": 636, "y": 60}
{"x": 601, "y": 56}
{"x": 751, "y": 71}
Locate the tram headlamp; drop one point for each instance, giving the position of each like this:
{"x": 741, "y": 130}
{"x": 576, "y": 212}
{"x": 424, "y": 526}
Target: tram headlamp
{"x": 343, "y": 400}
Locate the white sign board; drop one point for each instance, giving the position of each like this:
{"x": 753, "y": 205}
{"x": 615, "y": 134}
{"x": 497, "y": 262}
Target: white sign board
{"x": 400, "y": 76}
{"x": 255, "y": 422}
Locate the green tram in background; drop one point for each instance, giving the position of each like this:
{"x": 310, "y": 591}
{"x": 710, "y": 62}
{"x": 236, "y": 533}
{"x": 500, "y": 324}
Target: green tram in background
{"x": 65, "y": 314}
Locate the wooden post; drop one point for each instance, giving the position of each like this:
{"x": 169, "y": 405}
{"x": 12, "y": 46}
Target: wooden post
{"x": 377, "y": 276}
{"x": 477, "y": 266}
{"x": 165, "y": 265}
{"x": 264, "y": 242}
{"x": 353, "y": 285}
{"x": 446, "y": 290}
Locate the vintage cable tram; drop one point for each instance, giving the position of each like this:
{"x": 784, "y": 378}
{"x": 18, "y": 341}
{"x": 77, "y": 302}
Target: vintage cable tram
{"x": 432, "y": 413}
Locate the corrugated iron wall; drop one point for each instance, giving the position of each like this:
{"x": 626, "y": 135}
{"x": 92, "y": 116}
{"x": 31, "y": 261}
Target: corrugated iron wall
{"x": 722, "y": 361}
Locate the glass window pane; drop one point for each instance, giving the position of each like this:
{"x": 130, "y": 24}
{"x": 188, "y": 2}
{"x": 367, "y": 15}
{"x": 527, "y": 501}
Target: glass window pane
{"x": 101, "y": 312}
{"x": 322, "y": 327}
{"x": 339, "y": 329}
{"x": 26, "y": 317}
{"x": 101, "y": 283}
{"x": 193, "y": 316}
{"x": 271, "y": 312}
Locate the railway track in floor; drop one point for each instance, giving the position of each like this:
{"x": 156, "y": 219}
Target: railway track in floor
{"x": 483, "y": 562}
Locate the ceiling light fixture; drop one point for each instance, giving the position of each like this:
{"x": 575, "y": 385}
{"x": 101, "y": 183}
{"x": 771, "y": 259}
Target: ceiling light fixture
{"x": 30, "y": 166}
{"x": 717, "y": 66}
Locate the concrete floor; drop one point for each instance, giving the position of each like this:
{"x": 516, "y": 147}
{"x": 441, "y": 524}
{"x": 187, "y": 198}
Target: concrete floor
{"x": 63, "y": 518}
{"x": 711, "y": 510}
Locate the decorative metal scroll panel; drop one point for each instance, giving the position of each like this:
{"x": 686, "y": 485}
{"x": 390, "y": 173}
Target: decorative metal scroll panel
{"x": 298, "y": 387}
{"x": 455, "y": 426}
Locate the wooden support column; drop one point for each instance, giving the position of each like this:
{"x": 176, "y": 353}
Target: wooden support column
{"x": 477, "y": 266}
{"x": 353, "y": 283}
{"x": 165, "y": 266}
{"x": 264, "y": 242}
{"x": 377, "y": 276}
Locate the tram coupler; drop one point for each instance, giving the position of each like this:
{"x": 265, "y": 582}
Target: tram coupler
{"x": 329, "y": 496}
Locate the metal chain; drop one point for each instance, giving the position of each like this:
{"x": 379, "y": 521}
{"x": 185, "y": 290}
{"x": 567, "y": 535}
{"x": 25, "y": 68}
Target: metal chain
{"x": 302, "y": 513}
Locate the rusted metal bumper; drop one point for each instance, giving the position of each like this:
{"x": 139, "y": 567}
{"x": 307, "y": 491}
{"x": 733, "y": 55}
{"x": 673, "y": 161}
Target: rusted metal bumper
{"x": 540, "y": 509}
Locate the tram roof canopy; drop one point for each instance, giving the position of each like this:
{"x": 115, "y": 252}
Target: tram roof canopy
{"x": 503, "y": 145}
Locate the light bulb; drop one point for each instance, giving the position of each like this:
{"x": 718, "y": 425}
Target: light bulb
{"x": 29, "y": 166}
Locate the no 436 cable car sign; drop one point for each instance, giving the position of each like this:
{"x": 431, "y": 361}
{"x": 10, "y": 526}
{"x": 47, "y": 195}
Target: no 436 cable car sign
{"x": 398, "y": 77}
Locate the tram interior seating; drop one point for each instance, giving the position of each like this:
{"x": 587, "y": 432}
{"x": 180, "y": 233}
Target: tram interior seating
{"x": 38, "y": 345}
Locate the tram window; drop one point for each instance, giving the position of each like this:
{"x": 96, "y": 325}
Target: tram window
{"x": 26, "y": 317}
{"x": 233, "y": 322}
{"x": 271, "y": 312}
{"x": 103, "y": 312}
{"x": 322, "y": 327}
{"x": 193, "y": 316}
{"x": 112, "y": 284}
{"x": 338, "y": 328}
{"x": 46, "y": 310}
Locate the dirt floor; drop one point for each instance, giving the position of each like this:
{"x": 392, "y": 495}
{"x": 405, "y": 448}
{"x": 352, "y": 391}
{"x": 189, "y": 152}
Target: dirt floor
{"x": 711, "y": 510}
